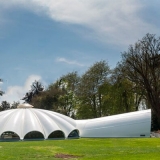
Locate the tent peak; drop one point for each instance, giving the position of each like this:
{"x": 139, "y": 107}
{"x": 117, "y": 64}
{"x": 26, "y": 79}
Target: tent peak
{"x": 24, "y": 105}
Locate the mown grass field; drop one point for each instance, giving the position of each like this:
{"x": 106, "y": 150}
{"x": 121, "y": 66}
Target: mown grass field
{"x": 83, "y": 149}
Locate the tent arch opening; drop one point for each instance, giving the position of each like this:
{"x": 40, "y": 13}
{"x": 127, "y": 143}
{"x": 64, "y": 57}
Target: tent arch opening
{"x": 57, "y": 134}
{"x": 74, "y": 134}
{"x": 10, "y": 135}
{"x": 34, "y": 135}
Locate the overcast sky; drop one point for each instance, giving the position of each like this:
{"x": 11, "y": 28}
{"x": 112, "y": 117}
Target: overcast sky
{"x": 45, "y": 39}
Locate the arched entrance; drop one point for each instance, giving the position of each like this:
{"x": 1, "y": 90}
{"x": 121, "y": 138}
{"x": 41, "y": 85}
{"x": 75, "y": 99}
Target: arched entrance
{"x": 57, "y": 134}
{"x": 9, "y": 135}
{"x": 74, "y": 134}
{"x": 34, "y": 135}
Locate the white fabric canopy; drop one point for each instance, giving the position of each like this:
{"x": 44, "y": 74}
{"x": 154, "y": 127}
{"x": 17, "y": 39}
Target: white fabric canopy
{"x": 133, "y": 124}
{"x": 26, "y": 119}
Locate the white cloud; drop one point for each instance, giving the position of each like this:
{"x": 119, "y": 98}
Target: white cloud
{"x": 69, "y": 62}
{"x": 111, "y": 21}
{"x": 15, "y": 93}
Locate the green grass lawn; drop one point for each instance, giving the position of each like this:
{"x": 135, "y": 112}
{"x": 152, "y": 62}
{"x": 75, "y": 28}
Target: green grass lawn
{"x": 84, "y": 148}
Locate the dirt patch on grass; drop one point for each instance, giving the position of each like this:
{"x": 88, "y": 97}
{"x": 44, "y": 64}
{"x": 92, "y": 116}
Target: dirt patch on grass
{"x": 65, "y": 156}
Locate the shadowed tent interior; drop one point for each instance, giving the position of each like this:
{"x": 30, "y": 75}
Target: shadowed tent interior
{"x": 56, "y": 134}
{"x": 74, "y": 134}
{"x": 34, "y": 135}
{"x": 9, "y": 135}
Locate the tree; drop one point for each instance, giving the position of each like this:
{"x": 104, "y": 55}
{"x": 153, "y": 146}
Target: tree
{"x": 14, "y": 105}
{"x": 90, "y": 90}
{"x": 141, "y": 65}
{"x": 68, "y": 100}
{"x": 45, "y": 100}
{"x": 4, "y": 105}
{"x": 127, "y": 95}
{"x": 122, "y": 96}
{"x": 36, "y": 88}
{"x": 59, "y": 96}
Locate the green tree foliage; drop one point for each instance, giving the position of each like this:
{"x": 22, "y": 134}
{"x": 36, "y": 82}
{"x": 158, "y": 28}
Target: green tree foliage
{"x": 4, "y": 105}
{"x": 59, "y": 96}
{"x": 36, "y": 88}
{"x": 68, "y": 100}
{"x": 122, "y": 96}
{"x": 141, "y": 65}
{"x": 14, "y": 105}
{"x": 47, "y": 99}
{"x": 91, "y": 91}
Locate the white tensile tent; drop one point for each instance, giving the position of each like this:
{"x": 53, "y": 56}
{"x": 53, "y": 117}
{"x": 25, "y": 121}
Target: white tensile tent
{"x": 133, "y": 124}
{"x": 27, "y": 122}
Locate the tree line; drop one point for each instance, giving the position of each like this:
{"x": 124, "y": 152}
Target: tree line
{"x": 99, "y": 92}
{"x": 134, "y": 84}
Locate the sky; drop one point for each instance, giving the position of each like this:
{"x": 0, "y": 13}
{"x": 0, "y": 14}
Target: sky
{"x": 45, "y": 39}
